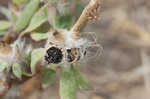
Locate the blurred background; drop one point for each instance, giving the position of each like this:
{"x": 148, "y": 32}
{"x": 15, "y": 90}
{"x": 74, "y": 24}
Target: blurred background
{"x": 123, "y": 69}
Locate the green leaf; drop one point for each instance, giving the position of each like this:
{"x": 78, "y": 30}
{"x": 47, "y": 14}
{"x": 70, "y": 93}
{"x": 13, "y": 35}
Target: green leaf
{"x": 81, "y": 81}
{"x": 5, "y": 11}
{"x": 37, "y": 20}
{"x": 27, "y": 74}
{"x": 36, "y": 55}
{"x": 65, "y": 21}
{"x": 18, "y": 2}
{"x": 17, "y": 71}
{"x": 4, "y": 25}
{"x": 27, "y": 56}
{"x": 2, "y": 33}
{"x": 48, "y": 75}
{"x": 68, "y": 85}
{"x": 13, "y": 16}
{"x": 26, "y": 15}
{"x": 3, "y": 66}
{"x": 52, "y": 15}
{"x": 44, "y": 28}
{"x": 39, "y": 36}
{"x": 80, "y": 8}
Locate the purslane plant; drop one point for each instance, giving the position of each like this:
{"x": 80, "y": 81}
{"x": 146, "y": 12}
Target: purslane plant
{"x": 59, "y": 25}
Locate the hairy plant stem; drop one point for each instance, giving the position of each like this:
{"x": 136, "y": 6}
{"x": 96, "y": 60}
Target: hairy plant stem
{"x": 90, "y": 13}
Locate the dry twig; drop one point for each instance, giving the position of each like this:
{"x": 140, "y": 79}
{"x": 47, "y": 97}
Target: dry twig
{"x": 90, "y": 13}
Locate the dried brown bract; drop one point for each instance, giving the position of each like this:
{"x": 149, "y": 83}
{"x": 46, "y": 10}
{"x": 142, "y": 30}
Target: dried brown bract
{"x": 3, "y": 87}
{"x": 5, "y": 48}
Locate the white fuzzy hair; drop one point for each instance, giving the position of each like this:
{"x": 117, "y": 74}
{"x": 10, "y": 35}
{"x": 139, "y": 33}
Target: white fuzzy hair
{"x": 80, "y": 43}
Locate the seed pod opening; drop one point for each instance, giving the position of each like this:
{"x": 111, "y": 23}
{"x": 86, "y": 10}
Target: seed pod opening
{"x": 72, "y": 55}
{"x": 54, "y": 55}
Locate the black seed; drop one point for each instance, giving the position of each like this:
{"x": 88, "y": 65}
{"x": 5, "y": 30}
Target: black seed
{"x": 54, "y": 55}
{"x": 55, "y": 33}
{"x": 70, "y": 56}
{"x": 78, "y": 58}
{"x": 85, "y": 53}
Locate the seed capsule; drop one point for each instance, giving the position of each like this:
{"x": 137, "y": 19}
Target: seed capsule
{"x": 72, "y": 55}
{"x": 54, "y": 55}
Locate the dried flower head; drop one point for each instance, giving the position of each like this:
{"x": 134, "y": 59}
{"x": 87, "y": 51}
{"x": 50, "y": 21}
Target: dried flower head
{"x": 67, "y": 46}
{"x": 62, "y": 47}
{"x": 11, "y": 54}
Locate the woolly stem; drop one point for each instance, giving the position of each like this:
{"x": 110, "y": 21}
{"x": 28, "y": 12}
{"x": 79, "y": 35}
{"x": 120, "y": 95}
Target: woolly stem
{"x": 90, "y": 13}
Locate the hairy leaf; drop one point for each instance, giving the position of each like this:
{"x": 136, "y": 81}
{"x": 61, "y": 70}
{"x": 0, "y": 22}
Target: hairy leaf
{"x": 48, "y": 75}
{"x": 4, "y": 25}
{"x": 17, "y": 71}
{"x": 18, "y": 2}
{"x": 38, "y": 19}
{"x": 80, "y": 8}
{"x": 2, "y": 33}
{"x": 39, "y": 36}
{"x": 68, "y": 85}
{"x": 65, "y": 22}
{"x": 44, "y": 28}
{"x": 5, "y": 11}
{"x": 3, "y": 66}
{"x": 81, "y": 81}
{"x": 36, "y": 55}
{"x": 52, "y": 15}
{"x": 26, "y": 15}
